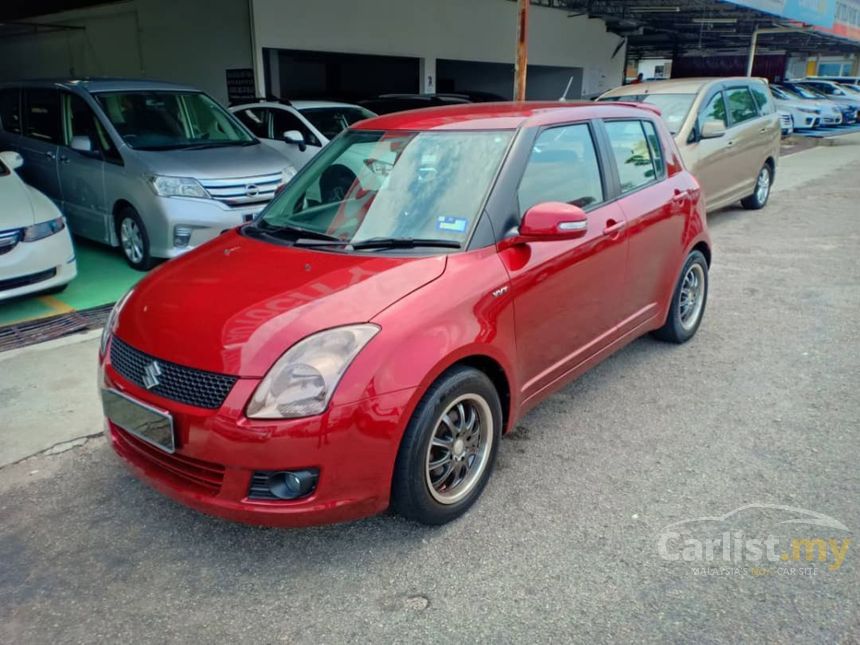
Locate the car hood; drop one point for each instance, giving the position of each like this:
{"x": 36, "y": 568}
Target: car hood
{"x": 215, "y": 163}
{"x": 22, "y": 205}
{"x": 235, "y": 305}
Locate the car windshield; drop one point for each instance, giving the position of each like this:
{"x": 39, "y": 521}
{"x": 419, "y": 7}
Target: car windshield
{"x": 163, "y": 120}
{"x": 398, "y": 185}
{"x": 331, "y": 121}
{"x": 806, "y": 92}
{"x": 673, "y": 107}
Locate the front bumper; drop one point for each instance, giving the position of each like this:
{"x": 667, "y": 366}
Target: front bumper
{"x": 31, "y": 267}
{"x": 352, "y": 445}
{"x": 205, "y": 218}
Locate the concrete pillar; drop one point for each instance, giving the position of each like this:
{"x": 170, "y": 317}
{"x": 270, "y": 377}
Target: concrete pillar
{"x": 427, "y": 75}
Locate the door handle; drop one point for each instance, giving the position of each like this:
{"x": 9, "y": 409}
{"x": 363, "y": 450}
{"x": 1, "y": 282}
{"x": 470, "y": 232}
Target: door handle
{"x": 612, "y": 226}
{"x": 680, "y": 195}
{"x": 50, "y": 155}
{"x": 729, "y": 144}
{"x": 64, "y": 159}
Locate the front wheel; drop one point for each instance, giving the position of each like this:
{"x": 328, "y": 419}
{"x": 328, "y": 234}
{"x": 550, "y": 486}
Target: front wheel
{"x": 133, "y": 239}
{"x": 449, "y": 448}
{"x": 688, "y": 301}
{"x": 762, "y": 190}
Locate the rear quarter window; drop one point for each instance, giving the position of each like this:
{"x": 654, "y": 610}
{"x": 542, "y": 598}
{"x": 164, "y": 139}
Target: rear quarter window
{"x": 10, "y": 110}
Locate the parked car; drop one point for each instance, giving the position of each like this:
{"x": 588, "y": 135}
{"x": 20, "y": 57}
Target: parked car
{"x": 830, "y": 113}
{"x": 727, "y": 129}
{"x": 803, "y": 114}
{"x": 371, "y": 350}
{"x": 299, "y": 129}
{"x": 832, "y": 92}
{"x": 36, "y": 251}
{"x": 388, "y": 103}
{"x": 155, "y": 168}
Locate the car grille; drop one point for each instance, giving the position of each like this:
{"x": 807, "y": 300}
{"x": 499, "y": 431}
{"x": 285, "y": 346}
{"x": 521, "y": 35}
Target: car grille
{"x": 204, "y": 476}
{"x": 183, "y": 384}
{"x": 9, "y": 240}
{"x": 243, "y": 191}
{"x": 259, "y": 488}
{"x": 26, "y": 280}
{"x": 786, "y": 119}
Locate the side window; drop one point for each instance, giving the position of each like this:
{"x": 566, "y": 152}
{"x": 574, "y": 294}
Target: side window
{"x": 10, "y": 110}
{"x": 255, "y": 120}
{"x": 42, "y": 115}
{"x": 760, "y": 93}
{"x": 632, "y": 154}
{"x": 656, "y": 148}
{"x": 562, "y": 167}
{"x": 283, "y": 120}
{"x": 81, "y": 121}
{"x": 715, "y": 110}
{"x": 742, "y": 107}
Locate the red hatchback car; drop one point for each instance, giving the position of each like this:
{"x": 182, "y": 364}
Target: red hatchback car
{"x": 426, "y": 279}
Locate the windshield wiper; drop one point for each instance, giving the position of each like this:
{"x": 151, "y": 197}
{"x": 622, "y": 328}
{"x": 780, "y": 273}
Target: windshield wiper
{"x": 404, "y": 243}
{"x": 210, "y": 144}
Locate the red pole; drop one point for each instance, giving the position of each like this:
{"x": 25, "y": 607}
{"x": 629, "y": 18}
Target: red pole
{"x": 522, "y": 51}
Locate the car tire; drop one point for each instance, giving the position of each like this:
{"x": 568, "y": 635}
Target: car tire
{"x": 761, "y": 192}
{"x": 461, "y": 414}
{"x": 133, "y": 239}
{"x": 684, "y": 317}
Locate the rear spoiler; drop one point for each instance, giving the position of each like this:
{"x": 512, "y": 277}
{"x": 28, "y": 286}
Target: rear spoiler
{"x": 645, "y": 106}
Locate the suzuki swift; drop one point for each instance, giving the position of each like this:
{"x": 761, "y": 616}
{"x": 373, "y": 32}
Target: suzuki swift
{"x": 426, "y": 279}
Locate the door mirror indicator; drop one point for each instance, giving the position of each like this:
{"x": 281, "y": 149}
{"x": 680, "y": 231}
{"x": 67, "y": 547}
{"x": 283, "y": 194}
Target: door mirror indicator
{"x": 551, "y": 221}
{"x": 12, "y": 159}
{"x": 713, "y": 129}
{"x": 296, "y": 138}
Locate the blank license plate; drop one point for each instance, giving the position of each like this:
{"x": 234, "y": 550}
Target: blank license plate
{"x": 144, "y": 422}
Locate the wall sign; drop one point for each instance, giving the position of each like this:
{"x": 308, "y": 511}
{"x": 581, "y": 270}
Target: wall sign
{"x": 240, "y": 85}
{"x": 814, "y": 12}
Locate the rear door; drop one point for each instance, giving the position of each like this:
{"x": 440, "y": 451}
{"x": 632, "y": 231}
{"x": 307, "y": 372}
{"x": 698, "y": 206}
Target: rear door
{"x": 42, "y": 129}
{"x": 712, "y": 159}
{"x": 566, "y": 293}
{"x": 746, "y": 128}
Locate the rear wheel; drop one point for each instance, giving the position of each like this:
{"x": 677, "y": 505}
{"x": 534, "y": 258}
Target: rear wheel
{"x": 761, "y": 193}
{"x": 133, "y": 239}
{"x": 449, "y": 448}
{"x": 688, "y": 301}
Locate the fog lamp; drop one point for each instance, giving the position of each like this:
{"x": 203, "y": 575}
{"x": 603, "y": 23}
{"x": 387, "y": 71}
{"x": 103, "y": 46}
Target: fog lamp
{"x": 181, "y": 236}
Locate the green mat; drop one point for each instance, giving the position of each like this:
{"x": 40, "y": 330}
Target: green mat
{"x": 103, "y": 276}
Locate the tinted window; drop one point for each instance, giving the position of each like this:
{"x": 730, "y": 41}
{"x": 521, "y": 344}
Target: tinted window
{"x": 655, "y": 147}
{"x": 255, "y": 120}
{"x": 284, "y": 120}
{"x": 762, "y": 100}
{"x": 562, "y": 167}
{"x": 742, "y": 107}
{"x": 715, "y": 109}
{"x": 42, "y": 115}
{"x": 331, "y": 121}
{"x": 10, "y": 110}
{"x": 82, "y": 122}
{"x": 632, "y": 154}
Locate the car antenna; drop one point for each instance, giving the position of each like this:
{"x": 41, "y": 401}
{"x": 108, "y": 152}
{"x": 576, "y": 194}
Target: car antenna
{"x": 567, "y": 89}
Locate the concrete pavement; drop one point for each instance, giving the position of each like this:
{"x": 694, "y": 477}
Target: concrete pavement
{"x": 760, "y": 408}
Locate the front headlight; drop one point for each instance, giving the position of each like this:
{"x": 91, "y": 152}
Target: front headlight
{"x": 177, "y": 187}
{"x": 110, "y": 324}
{"x": 303, "y": 380}
{"x": 43, "y": 229}
{"x": 286, "y": 174}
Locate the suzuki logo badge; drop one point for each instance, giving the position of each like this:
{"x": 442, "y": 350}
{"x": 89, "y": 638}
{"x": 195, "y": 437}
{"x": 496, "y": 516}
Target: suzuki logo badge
{"x": 150, "y": 375}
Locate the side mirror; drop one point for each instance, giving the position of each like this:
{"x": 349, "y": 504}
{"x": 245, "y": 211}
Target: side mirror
{"x": 552, "y": 221}
{"x": 81, "y": 143}
{"x": 296, "y": 138}
{"x": 12, "y": 159}
{"x": 713, "y": 129}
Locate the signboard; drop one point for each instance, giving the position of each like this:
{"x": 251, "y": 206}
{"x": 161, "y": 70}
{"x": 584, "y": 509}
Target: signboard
{"x": 240, "y": 85}
{"x": 814, "y": 12}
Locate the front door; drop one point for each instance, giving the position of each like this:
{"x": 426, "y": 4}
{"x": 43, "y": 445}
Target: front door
{"x": 566, "y": 293}
{"x": 40, "y": 144}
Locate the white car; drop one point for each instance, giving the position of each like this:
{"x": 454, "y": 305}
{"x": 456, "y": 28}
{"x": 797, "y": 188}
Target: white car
{"x": 36, "y": 252}
{"x": 299, "y": 129}
{"x": 803, "y": 113}
{"x": 786, "y": 122}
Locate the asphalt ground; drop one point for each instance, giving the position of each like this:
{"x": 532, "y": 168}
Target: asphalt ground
{"x": 761, "y": 408}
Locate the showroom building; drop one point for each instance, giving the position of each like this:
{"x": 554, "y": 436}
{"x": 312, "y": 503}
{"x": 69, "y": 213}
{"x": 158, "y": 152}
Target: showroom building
{"x": 338, "y": 49}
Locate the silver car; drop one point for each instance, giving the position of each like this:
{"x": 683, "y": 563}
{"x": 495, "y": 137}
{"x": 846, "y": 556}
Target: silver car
{"x": 155, "y": 168}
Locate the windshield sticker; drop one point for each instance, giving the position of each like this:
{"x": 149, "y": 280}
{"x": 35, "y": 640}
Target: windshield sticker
{"x": 454, "y": 224}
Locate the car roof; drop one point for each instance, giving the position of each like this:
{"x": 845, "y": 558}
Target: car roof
{"x": 105, "y": 84}
{"x": 674, "y": 85}
{"x": 501, "y": 116}
{"x": 307, "y": 105}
